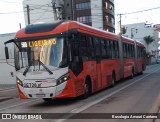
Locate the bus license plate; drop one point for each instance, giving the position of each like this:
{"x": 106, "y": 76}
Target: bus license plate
{"x": 31, "y": 85}
{"x": 40, "y": 95}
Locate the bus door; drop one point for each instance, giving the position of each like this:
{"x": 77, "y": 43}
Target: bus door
{"x": 97, "y": 46}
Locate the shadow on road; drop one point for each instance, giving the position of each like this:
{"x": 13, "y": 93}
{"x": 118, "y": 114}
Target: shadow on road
{"x": 57, "y": 102}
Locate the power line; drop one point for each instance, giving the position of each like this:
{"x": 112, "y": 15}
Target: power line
{"x": 13, "y": 12}
{"x": 9, "y": 2}
{"x": 4, "y": 1}
{"x": 41, "y": 15}
{"x": 140, "y": 11}
{"x": 39, "y": 7}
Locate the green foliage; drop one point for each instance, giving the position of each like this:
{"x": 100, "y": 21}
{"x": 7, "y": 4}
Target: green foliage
{"x": 148, "y": 39}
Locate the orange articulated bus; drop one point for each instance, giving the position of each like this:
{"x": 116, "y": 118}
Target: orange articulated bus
{"x": 69, "y": 59}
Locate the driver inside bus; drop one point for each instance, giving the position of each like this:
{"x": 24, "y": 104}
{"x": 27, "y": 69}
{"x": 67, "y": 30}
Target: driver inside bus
{"x": 36, "y": 55}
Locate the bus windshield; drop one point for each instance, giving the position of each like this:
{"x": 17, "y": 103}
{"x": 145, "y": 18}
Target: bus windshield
{"x": 46, "y": 53}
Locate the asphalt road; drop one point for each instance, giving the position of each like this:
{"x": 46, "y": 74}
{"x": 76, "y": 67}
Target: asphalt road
{"x": 138, "y": 95}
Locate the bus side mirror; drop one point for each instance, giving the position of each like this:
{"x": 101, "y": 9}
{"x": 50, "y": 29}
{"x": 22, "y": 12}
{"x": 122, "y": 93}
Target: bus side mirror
{"x": 6, "y": 53}
{"x": 76, "y": 58}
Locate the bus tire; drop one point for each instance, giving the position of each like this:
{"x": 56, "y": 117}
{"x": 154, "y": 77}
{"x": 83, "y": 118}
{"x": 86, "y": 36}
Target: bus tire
{"x": 132, "y": 74}
{"x": 87, "y": 89}
{"x": 113, "y": 80}
{"x": 142, "y": 69}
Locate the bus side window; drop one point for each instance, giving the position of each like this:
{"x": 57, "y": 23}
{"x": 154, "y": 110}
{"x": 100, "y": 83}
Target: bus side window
{"x": 83, "y": 47}
{"x": 116, "y": 50}
{"x": 137, "y": 51}
{"x": 144, "y": 52}
{"x": 130, "y": 48}
{"x": 104, "y": 54}
{"x": 107, "y": 49}
{"x": 127, "y": 51}
{"x": 76, "y": 64}
{"x": 90, "y": 45}
{"x": 111, "y": 49}
{"x": 133, "y": 51}
{"x": 124, "y": 50}
{"x": 97, "y": 48}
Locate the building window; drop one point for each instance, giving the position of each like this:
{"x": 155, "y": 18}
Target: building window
{"x": 84, "y": 19}
{"x": 106, "y": 5}
{"x": 106, "y": 18}
{"x": 82, "y": 6}
{"x": 111, "y": 7}
{"x": 109, "y": 19}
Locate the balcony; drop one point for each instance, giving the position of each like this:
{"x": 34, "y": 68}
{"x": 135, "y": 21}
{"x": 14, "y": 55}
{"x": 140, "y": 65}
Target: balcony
{"x": 108, "y": 11}
{"x": 109, "y": 24}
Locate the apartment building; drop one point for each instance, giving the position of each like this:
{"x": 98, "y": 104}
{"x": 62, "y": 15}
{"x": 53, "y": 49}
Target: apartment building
{"x": 96, "y": 13}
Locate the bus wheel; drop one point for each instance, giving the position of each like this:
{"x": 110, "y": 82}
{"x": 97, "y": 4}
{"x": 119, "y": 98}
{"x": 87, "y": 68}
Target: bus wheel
{"x": 48, "y": 99}
{"x": 113, "y": 80}
{"x": 132, "y": 75}
{"x": 142, "y": 69}
{"x": 87, "y": 90}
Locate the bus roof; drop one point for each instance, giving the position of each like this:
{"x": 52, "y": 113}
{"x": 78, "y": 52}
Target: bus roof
{"x": 131, "y": 41}
{"x": 56, "y": 27}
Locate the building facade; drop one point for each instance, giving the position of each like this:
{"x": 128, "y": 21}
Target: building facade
{"x": 96, "y": 13}
{"x": 138, "y": 31}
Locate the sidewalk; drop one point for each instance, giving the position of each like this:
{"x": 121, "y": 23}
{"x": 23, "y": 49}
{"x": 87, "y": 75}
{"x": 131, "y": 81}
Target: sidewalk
{"x": 7, "y": 86}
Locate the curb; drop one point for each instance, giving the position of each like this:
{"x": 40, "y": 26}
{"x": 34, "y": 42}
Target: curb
{"x": 2, "y": 99}
{"x": 7, "y": 88}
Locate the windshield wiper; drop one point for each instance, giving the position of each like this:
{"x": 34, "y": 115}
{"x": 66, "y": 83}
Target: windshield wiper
{"x": 50, "y": 72}
{"x": 26, "y": 70}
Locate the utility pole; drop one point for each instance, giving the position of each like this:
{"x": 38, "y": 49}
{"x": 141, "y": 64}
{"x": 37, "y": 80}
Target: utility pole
{"x": 28, "y": 14}
{"x": 120, "y": 23}
{"x": 54, "y": 9}
{"x": 20, "y": 26}
{"x": 58, "y": 6}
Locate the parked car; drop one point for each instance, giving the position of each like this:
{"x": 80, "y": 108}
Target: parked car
{"x": 158, "y": 61}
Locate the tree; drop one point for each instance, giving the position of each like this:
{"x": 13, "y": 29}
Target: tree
{"x": 148, "y": 39}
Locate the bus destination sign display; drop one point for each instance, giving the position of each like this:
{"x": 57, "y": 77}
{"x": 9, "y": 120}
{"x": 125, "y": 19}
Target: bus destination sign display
{"x": 39, "y": 43}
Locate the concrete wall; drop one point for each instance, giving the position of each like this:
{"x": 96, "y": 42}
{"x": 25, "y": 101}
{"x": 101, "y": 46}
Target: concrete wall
{"x": 139, "y": 31}
{"x": 68, "y": 11}
{"x": 7, "y": 72}
{"x": 97, "y": 14}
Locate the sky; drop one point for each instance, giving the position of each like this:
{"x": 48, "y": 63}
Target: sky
{"x": 11, "y": 13}
{"x": 9, "y": 21}
{"x": 151, "y": 16}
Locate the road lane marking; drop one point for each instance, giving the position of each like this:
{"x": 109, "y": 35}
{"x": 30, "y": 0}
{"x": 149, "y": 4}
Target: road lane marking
{"x": 9, "y": 107}
{"x": 82, "y": 108}
{"x": 8, "y": 89}
{"x": 155, "y": 108}
{"x": 155, "y": 105}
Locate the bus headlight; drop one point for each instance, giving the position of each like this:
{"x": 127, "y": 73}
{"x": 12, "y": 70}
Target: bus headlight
{"x": 63, "y": 78}
{"x": 19, "y": 82}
